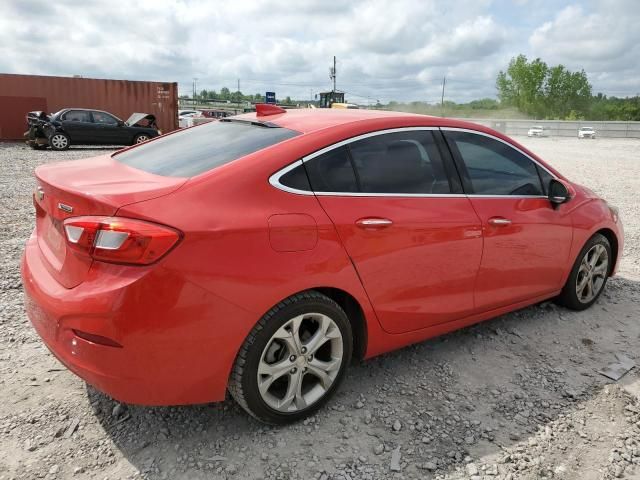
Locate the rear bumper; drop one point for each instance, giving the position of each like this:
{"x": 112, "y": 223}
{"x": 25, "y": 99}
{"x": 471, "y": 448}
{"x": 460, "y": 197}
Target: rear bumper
{"x": 171, "y": 352}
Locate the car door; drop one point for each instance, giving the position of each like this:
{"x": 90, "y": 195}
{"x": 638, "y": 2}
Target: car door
{"x": 109, "y": 130}
{"x": 526, "y": 240}
{"x": 78, "y": 125}
{"x": 412, "y": 235}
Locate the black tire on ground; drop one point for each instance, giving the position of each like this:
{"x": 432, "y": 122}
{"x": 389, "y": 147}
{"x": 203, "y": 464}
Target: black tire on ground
{"x": 243, "y": 381}
{"x": 586, "y": 267}
{"x": 59, "y": 141}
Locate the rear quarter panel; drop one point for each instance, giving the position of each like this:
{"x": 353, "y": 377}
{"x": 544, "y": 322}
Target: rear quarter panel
{"x": 230, "y": 252}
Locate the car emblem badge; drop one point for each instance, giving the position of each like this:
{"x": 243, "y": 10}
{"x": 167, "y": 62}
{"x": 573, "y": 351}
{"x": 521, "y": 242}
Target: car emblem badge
{"x": 65, "y": 208}
{"x": 40, "y": 193}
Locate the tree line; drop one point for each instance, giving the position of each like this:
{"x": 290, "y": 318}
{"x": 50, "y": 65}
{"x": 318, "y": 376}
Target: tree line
{"x": 554, "y": 92}
{"x": 225, "y": 95}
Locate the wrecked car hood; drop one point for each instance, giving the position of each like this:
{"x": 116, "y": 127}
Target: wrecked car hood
{"x": 137, "y": 117}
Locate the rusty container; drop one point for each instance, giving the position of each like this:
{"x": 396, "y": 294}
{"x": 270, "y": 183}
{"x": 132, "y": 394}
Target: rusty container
{"x": 20, "y": 94}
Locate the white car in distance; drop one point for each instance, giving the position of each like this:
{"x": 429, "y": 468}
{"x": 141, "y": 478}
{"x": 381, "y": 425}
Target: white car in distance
{"x": 536, "y": 131}
{"x": 586, "y": 132}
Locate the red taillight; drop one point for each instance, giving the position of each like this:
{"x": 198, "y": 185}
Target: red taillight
{"x": 120, "y": 240}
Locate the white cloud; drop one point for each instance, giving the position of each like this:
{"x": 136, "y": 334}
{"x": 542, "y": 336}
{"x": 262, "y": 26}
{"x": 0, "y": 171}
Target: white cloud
{"x": 603, "y": 39}
{"x": 388, "y": 50}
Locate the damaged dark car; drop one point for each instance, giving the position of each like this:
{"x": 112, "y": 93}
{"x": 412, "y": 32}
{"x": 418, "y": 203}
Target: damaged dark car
{"x": 81, "y": 126}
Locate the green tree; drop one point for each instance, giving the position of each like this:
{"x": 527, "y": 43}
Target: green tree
{"x": 225, "y": 93}
{"x": 522, "y": 85}
{"x": 542, "y": 91}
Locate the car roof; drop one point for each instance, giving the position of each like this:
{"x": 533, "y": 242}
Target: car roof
{"x": 307, "y": 120}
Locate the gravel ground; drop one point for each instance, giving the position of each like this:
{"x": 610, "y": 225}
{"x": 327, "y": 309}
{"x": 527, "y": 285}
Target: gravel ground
{"x": 515, "y": 397}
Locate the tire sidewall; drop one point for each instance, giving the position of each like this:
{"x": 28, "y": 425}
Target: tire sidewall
{"x": 252, "y": 396}
{"x": 569, "y": 295}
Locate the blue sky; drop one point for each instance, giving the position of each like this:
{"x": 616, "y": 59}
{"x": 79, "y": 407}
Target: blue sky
{"x": 396, "y": 50}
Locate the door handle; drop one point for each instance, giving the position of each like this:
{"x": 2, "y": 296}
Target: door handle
{"x": 372, "y": 222}
{"x": 499, "y": 221}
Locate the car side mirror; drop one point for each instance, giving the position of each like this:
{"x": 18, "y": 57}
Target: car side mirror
{"x": 120, "y": 123}
{"x": 558, "y": 193}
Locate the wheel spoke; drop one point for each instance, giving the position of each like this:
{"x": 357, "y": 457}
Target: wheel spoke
{"x": 600, "y": 270}
{"x": 323, "y": 370}
{"x": 294, "y": 393}
{"x": 269, "y": 373}
{"x": 327, "y": 330}
{"x": 290, "y": 334}
{"x": 587, "y": 290}
{"x": 582, "y": 284}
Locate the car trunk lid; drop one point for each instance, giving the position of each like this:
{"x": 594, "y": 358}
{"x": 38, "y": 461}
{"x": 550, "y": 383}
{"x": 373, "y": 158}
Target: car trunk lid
{"x": 96, "y": 186}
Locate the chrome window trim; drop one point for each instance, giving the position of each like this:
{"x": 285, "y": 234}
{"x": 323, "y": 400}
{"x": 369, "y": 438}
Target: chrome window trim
{"x": 274, "y": 179}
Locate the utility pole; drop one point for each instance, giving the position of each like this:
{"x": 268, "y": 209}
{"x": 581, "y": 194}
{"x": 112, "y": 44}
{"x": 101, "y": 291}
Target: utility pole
{"x": 195, "y": 81}
{"x": 332, "y": 73}
{"x": 238, "y": 93}
{"x": 444, "y": 81}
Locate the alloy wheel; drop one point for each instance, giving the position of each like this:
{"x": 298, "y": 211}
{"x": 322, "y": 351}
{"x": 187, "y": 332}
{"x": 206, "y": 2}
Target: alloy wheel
{"x": 300, "y": 362}
{"x": 141, "y": 138}
{"x": 59, "y": 141}
{"x": 592, "y": 273}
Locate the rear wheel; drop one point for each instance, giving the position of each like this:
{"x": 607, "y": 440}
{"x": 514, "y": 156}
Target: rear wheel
{"x": 589, "y": 274}
{"x": 59, "y": 141}
{"x": 293, "y": 360}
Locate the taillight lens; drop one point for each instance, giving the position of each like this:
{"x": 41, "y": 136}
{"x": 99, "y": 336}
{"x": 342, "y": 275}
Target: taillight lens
{"x": 120, "y": 240}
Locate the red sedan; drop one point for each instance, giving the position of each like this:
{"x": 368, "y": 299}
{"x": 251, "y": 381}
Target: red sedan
{"x": 259, "y": 254}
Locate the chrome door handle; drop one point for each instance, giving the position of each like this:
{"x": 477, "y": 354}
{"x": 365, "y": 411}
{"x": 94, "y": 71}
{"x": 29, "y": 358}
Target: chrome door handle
{"x": 499, "y": 221}
{"x": 374, "y": 222}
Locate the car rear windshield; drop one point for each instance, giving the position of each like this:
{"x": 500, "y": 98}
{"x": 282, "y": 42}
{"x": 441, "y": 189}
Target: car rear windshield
{"x": 205, "y": 147}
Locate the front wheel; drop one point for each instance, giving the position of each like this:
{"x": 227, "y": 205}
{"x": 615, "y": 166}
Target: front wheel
{"x": 59, "y": 141}
{"x": 293, "y": 360}
{"x": 589, "y": 274}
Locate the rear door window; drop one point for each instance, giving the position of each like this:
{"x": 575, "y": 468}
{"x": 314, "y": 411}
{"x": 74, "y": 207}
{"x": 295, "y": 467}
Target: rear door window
{"x": 332, "y": 172}
{"x": 400, "y": 163}
{"x": 196, "y": 150}
{"x": 77, "y": 116}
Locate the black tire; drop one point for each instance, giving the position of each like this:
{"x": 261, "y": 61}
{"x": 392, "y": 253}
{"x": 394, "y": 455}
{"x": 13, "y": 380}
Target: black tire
{"x": 569, "y": 296}
{"x": 59, "y": 141}
{"x": 141, "y": 137}
{"x": 243, "y": 382}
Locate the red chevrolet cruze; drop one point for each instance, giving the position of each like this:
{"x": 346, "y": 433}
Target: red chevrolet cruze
{"x": 258, "y": 254}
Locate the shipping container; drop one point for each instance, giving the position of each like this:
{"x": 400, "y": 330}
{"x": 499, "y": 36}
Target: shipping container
{"x": 20, "y": 94}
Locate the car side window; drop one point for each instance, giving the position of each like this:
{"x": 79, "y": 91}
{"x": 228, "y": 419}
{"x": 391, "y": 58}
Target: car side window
{"x": 77, "y": 116}
{"x": 296, "y": 179}
{"x": 103, "y": 118}
{"x": 402, "y": 162}
{"x": 494, "y": 167}
{"x": 332, "y": 172}
{"x": 546, "y": 177}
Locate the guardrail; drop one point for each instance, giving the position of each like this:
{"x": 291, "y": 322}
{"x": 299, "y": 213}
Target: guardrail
{"x": 562, "y": 128}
